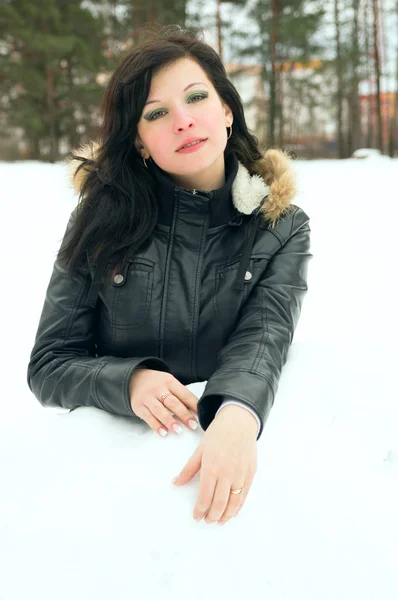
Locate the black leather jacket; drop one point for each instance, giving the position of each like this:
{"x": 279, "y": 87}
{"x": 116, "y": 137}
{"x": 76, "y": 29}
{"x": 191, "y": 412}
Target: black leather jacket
{"x": 215, "y": 295}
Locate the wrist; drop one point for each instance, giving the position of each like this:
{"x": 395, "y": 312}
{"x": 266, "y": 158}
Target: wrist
{"x": 246, "y": 418}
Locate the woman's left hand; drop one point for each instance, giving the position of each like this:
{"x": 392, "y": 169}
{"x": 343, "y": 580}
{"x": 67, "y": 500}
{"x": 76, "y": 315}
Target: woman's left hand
{"x": 227, "y": 455}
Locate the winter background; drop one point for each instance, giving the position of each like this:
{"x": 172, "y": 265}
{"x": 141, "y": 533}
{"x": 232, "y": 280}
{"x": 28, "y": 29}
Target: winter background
{"x": 87, "y": 507}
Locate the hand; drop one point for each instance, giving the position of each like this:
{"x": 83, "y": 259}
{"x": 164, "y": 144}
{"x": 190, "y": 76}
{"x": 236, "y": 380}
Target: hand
{"x": 227, "y": 455}
{"x": 145, "y": 388}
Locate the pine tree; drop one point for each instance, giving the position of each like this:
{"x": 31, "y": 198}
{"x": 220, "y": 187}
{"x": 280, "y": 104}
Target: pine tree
{"x": 52, "y": 51}
{"x": 280, "y": 35}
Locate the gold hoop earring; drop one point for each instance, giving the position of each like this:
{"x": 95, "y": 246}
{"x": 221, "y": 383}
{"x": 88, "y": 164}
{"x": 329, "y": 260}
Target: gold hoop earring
{"x": 145, "y": 163}
{"x": 230, "y": 131}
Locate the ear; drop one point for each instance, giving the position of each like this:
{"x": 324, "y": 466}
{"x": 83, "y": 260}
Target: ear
{"x": 141, "y": 148}
{"x": 229, "y": 117}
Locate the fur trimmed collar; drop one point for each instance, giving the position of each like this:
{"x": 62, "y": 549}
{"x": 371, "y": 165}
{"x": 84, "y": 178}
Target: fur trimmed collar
{"x": 273, "y": 176}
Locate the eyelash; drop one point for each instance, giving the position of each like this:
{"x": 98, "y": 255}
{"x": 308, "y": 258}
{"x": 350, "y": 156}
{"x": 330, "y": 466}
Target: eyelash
{"x": 152, "y": 115}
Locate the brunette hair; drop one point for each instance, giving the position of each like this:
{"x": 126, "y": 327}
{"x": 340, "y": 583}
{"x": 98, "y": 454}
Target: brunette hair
{"x": 117, "y": 203}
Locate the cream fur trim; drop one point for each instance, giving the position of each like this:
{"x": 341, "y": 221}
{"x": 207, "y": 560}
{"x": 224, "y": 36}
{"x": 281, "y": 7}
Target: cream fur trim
{"x": 248, "y": 191}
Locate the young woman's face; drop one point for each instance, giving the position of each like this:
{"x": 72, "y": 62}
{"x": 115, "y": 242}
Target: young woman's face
{"x": 183, "y": 104}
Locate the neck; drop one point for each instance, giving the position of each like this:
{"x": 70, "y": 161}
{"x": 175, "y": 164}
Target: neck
{"x": 210, "y": 179}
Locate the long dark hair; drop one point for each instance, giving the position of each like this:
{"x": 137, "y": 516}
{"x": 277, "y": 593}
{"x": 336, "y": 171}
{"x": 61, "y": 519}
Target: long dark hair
{"x": 117, "y": 202}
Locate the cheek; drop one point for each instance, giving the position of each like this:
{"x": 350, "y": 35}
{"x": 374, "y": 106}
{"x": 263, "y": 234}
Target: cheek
{"x": 156, "y": 142}
{"x": 214, "y": 123}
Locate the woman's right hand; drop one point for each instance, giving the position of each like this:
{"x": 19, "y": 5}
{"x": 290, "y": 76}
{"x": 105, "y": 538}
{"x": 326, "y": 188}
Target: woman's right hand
{"x": 145, "y": 388}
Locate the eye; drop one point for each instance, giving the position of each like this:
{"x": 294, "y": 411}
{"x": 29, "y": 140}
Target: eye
{"x": 194, "y": 97}
{"x": 155, "y": 114}
{"x": 200, "y": 96}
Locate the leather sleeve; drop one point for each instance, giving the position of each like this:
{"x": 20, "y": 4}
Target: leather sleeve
{"x": 250, "y": 364}
{"x": 63, "y": 370}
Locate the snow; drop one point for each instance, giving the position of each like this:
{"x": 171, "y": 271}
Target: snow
{"x": 370, "y": 153}
{"x": 87, "y": 507}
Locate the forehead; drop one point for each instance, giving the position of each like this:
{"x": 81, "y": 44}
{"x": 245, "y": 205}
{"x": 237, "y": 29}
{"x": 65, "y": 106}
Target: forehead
{"x": 179, "y": 74}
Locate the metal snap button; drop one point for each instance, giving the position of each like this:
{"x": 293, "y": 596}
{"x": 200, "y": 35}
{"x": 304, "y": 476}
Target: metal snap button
{"x": 118, "y": 278}
{"x": 248, "y": 276}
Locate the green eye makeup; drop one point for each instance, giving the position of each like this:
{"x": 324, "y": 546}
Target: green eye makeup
{"x": 154, "y": 115}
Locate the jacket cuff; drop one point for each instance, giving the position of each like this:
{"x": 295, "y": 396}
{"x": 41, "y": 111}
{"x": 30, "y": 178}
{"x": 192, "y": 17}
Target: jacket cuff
{"x": 113, "y": 380}
{"x": 243, "y": 405}
{"x": 252, "y": 389}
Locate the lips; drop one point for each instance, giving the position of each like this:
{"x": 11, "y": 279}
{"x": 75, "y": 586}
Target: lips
{"x": 190, "y": 141}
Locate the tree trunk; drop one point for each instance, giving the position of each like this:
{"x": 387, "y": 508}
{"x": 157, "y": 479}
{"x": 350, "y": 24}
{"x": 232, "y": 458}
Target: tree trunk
{"x": 393, "y": 124}
{"x": 274, "y": 74}
{"x": 339, "y": 69}
{"x": 51, "y": 114}
{"x": 137, "y": 13}
{"x": 369, "y": 121}
{"x": 353, "y": 141}
{"x": 219, "y": 29}
{"x": 281, "y": 140}
{"x": 34, "y": 153}
{"x": 73, "y": 135}
{"x": 378, "y": 74}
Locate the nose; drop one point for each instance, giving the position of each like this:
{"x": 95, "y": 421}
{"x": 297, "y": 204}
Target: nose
{"x": 182, "y": 120}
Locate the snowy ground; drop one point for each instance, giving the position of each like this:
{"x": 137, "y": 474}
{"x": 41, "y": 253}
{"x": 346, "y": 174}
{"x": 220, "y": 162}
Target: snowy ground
{"x": 87, "y": 508}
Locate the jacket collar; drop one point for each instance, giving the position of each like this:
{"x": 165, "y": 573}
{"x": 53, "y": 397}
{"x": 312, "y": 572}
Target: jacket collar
{"x": 267, "y": 190}
{"x": 221, "y": 207}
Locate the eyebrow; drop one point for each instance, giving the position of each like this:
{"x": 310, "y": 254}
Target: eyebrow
{"x": 185, "y": 89}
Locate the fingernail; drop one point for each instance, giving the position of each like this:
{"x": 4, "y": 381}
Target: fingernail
{"x": 162, "y": 431}
{"x": 177, "y": 428}
{"x": 174, "y": 479}
{"x": 193, "y": 424}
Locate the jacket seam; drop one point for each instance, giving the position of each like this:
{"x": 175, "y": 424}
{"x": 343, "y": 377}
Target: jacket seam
{"x": 293, "y": 230}
{"x": 294, "y": 215}
{"x": 282, "y": 239}
{"x": 278, "y": 237}
{"x": 74, "y": 309}
{"x": 72, "y": 315}
{"x": 128, "y": 374}
{"x": 292, "y": 225}
{"x": 264, "y": 337}
{"x": 57, "y": 363}
{"x": 95, "y": 379}
{"x": 250, "y": 371}
{"x": 196, "y": 296}
{"x": 163, "y": 308}
{"x": 65, "y": 364}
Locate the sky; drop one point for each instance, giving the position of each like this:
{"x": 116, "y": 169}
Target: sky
{"x": 87, "y": 508}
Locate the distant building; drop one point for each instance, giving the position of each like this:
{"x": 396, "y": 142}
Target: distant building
{"x": 308, "y": 120}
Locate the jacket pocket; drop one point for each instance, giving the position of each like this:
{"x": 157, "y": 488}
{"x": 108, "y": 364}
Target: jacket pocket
{"x": 130, "y": 295}
{"x": 225, "y": 299}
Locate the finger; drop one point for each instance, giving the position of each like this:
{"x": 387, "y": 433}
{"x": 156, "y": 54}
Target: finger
{"x": 163, "y": 415}
{"x": 222, "y": 499}
{"x": 146, "y": 415}
{"x": 184, "y": 394}
{"x": 234, "y": 504}
{"x": 230, "y": 510}
{"x": 191, "y": 468}
{"x": 206, "y": 492}
{"x": 179, "y": 409}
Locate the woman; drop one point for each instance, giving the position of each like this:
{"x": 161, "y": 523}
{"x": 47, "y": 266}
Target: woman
{"x": 185, "y": 261}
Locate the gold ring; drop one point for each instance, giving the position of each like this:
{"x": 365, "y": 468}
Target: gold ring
{"x": 239, "y": 491}
{"x": 164, "y": 396}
